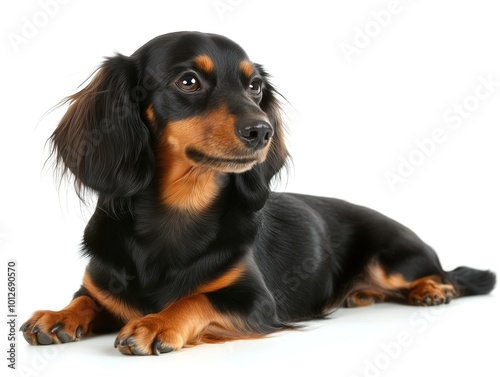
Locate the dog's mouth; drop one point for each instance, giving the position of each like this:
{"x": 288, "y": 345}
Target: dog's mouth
{"x": 224, "y": 164}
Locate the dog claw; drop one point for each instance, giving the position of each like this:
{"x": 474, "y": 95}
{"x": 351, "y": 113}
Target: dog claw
{"x": 28, "y": 338}
{"x": 25, "y": 327}
{"x": 159, "y": 347}
{"x": 58, "y": 326}
{"x": 131, "y": 343}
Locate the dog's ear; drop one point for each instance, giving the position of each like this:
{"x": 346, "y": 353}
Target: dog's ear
{"x": 254, "y": 185}
{"x": 101, "y": 139}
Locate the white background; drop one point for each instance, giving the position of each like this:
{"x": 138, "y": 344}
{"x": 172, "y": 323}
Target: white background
{"x": 349, "y": 123}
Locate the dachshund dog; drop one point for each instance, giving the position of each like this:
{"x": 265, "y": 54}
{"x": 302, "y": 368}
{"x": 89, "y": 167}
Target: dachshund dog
{"x": 180, "y": 142}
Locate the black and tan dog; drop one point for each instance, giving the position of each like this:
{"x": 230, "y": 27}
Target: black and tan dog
{"x": 188, "y": 244}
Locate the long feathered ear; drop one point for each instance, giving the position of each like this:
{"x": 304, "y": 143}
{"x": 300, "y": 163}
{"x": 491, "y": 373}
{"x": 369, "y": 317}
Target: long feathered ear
{"x": 254, "y": 185}
{"x": 101, "y": 139}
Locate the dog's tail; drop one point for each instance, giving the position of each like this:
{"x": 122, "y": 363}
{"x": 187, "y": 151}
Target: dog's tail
{"x": 471, "y": 282}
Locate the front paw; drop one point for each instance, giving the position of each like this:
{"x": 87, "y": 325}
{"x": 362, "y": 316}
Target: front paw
{"x": 149, "y": 335}
{"x": 67, "y": 325}
{"x": 48, "y": 327}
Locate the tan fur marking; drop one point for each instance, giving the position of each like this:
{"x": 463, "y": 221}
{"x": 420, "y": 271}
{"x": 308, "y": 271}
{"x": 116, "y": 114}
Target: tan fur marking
{"x": 111, "y": 303}
{"x": 150, "y": 115}
{"x": 384, "y": 281}
{"x": 223, "y": 281}
{"x": 204, "y": 63}
{"x": 151, "y": 119}
{"x": 189, "y": 321}
{"x": 418, "y": 290}
{"x": 247, "y": 68}
{"x": 189, "y": 185}
{"x": 395, "y": 281}
{"x": 211, "y": 133}
{"x": 364, "y": 298}
{"x": 77, "y": 316}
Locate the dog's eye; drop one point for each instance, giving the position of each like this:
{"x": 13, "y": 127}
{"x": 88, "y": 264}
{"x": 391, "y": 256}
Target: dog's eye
{"x": 189, "y": 83}
{"x": 255, "y": 88}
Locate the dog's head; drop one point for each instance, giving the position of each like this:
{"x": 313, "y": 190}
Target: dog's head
{"x": 184, "y": 103}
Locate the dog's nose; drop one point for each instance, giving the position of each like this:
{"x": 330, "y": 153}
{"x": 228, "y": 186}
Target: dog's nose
{"x": 254, "y": 132}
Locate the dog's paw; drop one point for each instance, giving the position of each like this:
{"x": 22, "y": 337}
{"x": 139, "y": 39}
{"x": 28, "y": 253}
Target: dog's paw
{"x": 430, "y": 293}
{"x": 67, "y": 325}
{"x": 150, "y": 335}
{"x": 48, "y": 327}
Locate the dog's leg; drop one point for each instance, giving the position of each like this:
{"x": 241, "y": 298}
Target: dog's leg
{"x": 424, "y": 291}
{"x": 180, "y": 323}
{"x": 75, "y": 321}
{"x": 234, "y": 312}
